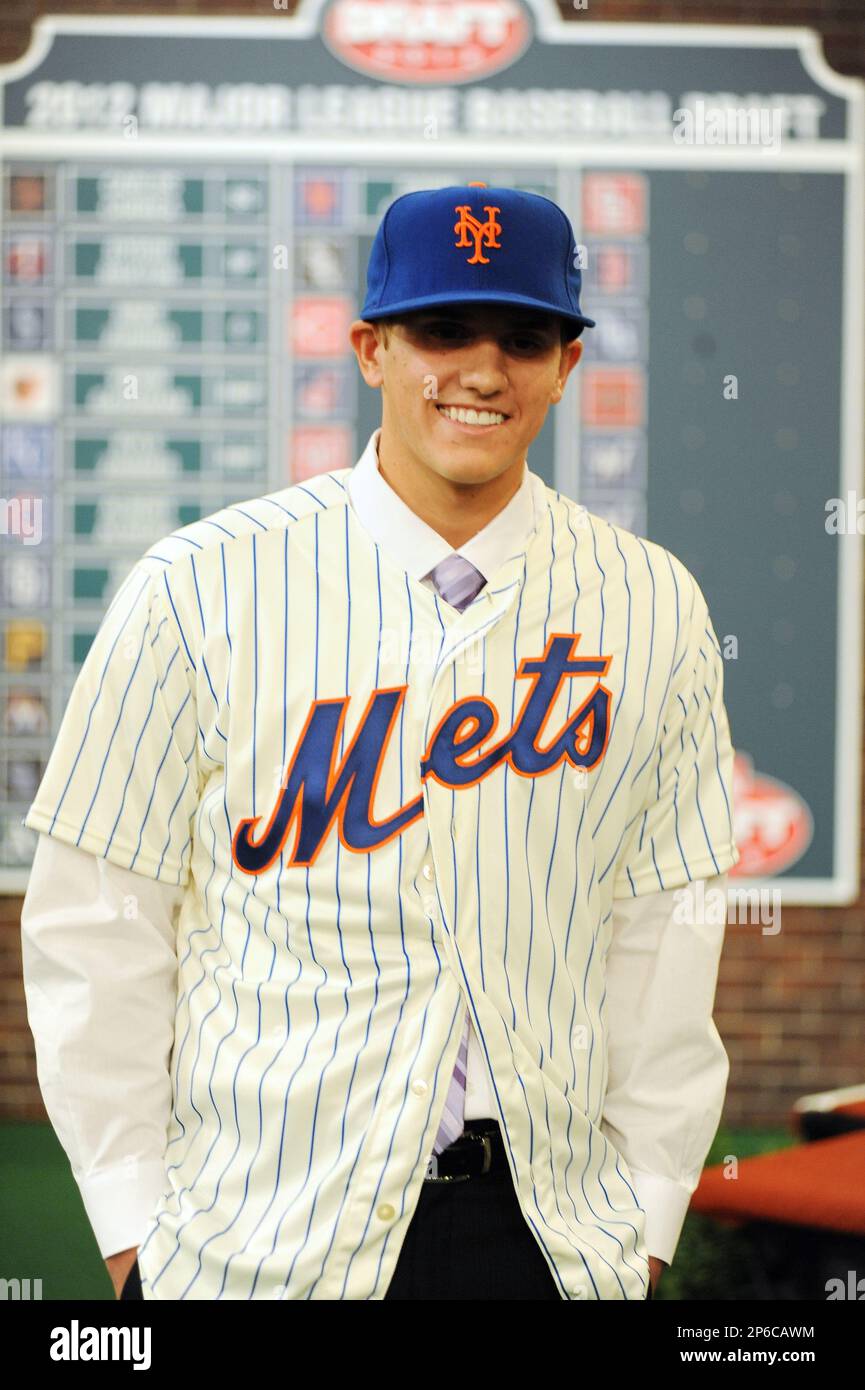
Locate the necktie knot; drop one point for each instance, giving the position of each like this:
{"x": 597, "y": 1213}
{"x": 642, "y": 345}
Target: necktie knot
{"x": 457, "y": 580}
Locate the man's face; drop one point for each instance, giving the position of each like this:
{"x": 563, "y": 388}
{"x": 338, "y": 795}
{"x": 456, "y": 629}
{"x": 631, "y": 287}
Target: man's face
{"x": 481, "y": 357}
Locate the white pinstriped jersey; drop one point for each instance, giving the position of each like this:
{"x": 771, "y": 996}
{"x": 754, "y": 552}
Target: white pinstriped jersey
{"x": 383, "y": 809}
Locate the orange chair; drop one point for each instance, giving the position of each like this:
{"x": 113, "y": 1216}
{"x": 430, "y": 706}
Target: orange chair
{"x": 820, "y": 1184}
{"x": 803, "y": 1205}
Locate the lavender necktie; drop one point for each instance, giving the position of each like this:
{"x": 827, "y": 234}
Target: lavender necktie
{"x": 458, "y": 582}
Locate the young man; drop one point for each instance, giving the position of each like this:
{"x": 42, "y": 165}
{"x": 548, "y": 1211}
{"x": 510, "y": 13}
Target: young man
{"x": 350, "y": 946}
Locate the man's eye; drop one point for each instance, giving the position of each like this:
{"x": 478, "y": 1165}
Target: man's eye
{"x": 528, "y": 342}
{"x": 524, "y": 342}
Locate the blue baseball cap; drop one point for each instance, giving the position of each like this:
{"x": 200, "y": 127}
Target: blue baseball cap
{"x": 470, "y": 243}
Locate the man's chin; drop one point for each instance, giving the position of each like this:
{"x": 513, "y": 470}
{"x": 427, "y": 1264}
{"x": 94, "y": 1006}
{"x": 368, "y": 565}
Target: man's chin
{"x": 468, "y": 472}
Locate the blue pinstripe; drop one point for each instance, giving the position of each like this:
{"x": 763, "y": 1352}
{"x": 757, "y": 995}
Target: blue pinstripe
{"x": 277, "y": 940}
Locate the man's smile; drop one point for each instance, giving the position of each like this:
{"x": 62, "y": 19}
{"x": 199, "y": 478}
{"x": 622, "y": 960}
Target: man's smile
{"x": 471, "y": 418}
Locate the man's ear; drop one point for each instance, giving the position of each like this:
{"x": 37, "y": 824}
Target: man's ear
{"x": 571, "y": 354}
{"x": 368, "y": 349}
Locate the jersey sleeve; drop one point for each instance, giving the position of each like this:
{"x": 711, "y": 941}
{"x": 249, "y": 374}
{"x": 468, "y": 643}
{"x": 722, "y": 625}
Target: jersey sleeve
{"x": 684, "y": 828}
{"x": 122, "y": 780}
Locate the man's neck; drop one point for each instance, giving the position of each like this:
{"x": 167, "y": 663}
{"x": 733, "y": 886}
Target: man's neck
{"x": 455, "y": 511}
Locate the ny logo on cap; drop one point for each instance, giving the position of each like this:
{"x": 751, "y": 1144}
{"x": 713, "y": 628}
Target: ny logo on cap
{"x": 483, "y": 233}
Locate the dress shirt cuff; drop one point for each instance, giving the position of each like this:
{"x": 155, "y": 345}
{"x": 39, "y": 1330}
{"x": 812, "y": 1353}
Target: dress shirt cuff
{"x": 665, "y": 1203}
{"x": 119, "y": 1202}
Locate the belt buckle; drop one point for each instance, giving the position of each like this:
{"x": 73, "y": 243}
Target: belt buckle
{"x": 432, "y": 1172}
{"x": 488, "y": 1151}
{"x": 433, "y": 1175}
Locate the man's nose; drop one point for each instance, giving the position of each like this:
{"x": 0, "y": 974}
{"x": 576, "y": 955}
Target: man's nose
{"x": 484, "y": 368}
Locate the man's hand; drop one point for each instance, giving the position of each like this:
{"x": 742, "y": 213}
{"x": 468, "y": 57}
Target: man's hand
{"x": 656, "y": 1268}
{"x": 119, "y": 1266}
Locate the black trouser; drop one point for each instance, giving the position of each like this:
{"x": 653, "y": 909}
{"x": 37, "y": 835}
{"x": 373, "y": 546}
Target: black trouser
{"x": 132, "y": 1288}
{"x": 466, "y": 1240}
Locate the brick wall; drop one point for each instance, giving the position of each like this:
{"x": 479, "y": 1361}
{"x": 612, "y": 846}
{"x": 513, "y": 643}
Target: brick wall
{"x": 789, "y": 1006}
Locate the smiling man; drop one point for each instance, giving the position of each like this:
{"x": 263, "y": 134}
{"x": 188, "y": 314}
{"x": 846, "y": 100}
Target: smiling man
{"x": 465, "y": 390}
{"x": 400, "y": 769}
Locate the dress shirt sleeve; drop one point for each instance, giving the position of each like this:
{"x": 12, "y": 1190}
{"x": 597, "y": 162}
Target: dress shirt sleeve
{"x": 99, "y": 963}
{"x": 668, "y": 1067}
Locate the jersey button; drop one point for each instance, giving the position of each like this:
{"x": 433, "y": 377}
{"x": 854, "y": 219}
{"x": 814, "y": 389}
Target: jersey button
{"x": 419, "y": 1087}
{"x": 385, "y": 1211}
{"x": 580, "y": 1291}
{"x": 427, "y": 871}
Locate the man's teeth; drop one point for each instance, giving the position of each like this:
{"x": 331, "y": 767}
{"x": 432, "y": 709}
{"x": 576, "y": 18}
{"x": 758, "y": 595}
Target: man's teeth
{"x": 471, "y": 417}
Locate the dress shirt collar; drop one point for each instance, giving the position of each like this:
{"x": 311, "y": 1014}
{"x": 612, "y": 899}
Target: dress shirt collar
{"x": 416, "y": 546}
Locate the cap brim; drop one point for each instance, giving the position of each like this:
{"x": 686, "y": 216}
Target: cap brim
{"x": 407, "y": 306}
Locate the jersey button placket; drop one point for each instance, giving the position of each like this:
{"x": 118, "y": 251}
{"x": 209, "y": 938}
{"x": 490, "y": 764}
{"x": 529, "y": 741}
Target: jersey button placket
{"x": 428, "y": 900}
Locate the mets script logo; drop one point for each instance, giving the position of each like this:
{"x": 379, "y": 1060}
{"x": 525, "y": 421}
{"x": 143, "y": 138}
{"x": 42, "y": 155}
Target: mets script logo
{"x": 314, "y": 792}
{"x": 482, "y": 233}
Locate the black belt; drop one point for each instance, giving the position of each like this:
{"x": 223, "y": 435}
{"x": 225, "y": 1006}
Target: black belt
{"x": 479, "y": 1151}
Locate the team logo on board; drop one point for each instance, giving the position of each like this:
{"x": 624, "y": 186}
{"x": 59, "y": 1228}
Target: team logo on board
{"x": 772, "y": 821}
{"x": 315, "y": 792}
{"x": 471, "y": 231}
{"x": 423, "y": 41}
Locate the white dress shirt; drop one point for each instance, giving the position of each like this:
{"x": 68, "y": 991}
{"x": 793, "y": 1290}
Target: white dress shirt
{"x": 100, "y": 981}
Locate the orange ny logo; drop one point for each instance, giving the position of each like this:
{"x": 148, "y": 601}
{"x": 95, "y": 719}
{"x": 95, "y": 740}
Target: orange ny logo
{"x": 482, "y": 233}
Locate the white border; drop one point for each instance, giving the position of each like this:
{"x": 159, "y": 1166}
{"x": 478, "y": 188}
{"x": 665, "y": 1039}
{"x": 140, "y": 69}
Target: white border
{"x": 832, "y": 156}
{"x": 847, "y": 156}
